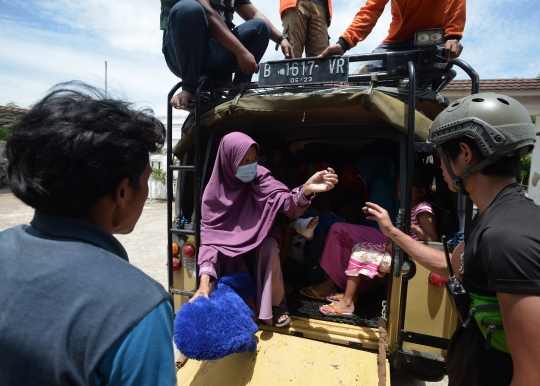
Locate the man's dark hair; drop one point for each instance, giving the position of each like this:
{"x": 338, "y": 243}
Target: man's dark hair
{"x": 506, "y": 166}
{"x": 75, "y": 145}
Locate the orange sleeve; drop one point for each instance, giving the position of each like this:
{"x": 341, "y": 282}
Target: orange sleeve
{"x": 363, "y": 22}
{"x": 454, "y": 18}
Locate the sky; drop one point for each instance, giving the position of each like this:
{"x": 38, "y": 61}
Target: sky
{"x": 45, "y": 42}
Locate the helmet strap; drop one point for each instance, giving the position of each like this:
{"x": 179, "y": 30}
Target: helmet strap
{"x": 458, "y": 182}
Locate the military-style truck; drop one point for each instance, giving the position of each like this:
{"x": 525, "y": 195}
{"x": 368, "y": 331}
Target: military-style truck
{"x": 312, "y": 103}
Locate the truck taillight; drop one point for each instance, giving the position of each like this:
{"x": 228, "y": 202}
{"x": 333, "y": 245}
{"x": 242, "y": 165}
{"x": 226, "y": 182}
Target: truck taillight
{"x": 188, "y": 250}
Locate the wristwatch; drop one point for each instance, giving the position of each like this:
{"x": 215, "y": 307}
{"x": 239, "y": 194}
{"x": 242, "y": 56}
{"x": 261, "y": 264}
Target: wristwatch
{"x": 284, "y": 36}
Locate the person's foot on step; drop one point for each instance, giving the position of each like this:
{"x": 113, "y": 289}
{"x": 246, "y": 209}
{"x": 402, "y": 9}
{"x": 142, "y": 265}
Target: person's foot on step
{"x": 180, "y": 101}
{"x": 342, "y": 306}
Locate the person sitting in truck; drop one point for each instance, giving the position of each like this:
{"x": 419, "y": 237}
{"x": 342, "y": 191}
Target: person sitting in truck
{"x": 371, "y": 256}
{"x": 200, "y": 36}
{"x": 408, "y": 16}
{"x": 343, "y": 267}
{"x": 239, "y": 205}
{"x": 74, "y": 310}
{"x": 499, "y": 259}
{"x": 306, "y": 24}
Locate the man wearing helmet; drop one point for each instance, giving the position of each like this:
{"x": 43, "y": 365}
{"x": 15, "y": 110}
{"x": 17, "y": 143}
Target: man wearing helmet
{"x": 480, "y": 140}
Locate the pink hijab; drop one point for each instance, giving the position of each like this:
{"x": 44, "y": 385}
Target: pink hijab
{"x": 236, "y": 215}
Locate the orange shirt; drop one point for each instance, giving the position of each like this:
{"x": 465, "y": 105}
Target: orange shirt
{"x": 286, "y": 4}
{"x": 408, "y": 16}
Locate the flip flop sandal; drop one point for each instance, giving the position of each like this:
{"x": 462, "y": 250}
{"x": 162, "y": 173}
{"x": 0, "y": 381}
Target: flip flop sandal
{"x": 338, "y": 313}
{"x": 312, "y": 295}
{"x": 278, "y": 312}
{"x": 337, "y": 298}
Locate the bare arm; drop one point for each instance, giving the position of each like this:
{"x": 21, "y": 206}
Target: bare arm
{"x": 220, "y": 32}
{"x": 521, "y": 320}
{"x": 426, "y": 231}
{"x": 430, "y": 258}
{"x": 248, "y": 12}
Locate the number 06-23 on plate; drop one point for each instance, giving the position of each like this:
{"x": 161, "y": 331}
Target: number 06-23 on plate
{"x": 304, "y": 71}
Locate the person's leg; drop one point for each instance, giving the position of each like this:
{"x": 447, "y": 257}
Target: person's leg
{"x": 269, "y": 279}
{"x": 317, "y": 31}
{"x": 294, "y": 22}
{"x": 185, "y": 42}
{"x": 254, "y": 34}
{"x": 337, "y": 254}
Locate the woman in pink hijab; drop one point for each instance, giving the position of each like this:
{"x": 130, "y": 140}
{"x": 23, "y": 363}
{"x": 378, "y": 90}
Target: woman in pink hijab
{"x": 239, "y": 206}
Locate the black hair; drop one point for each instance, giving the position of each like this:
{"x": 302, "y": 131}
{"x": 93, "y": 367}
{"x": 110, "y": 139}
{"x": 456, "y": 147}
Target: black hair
{"x": 423, "y": 176}
{"x": 75, "y": 145}
{"x": 506, "y": 166}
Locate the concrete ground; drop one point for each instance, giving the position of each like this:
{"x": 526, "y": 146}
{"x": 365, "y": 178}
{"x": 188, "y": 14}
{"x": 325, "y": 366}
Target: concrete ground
{"x": 146, "y": 248}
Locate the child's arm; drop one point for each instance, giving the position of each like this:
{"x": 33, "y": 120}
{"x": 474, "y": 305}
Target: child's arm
{"x": 426, "y": 231}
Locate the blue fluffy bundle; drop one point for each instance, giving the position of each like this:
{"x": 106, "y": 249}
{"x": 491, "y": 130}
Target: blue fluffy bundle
{"x": 212, "y": 329}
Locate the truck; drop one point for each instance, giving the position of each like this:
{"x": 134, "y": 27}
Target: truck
{"x": 321, "y": 114}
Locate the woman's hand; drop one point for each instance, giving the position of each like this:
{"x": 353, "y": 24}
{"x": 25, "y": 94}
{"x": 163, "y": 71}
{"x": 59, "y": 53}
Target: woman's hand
{"x": 322, "y": 181}
{"x": 204, "y": 288}
{"x": 381, "y": 216}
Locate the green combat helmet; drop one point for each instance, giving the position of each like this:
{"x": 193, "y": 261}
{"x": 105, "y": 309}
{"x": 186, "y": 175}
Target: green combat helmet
{"x": 500, "y": 126}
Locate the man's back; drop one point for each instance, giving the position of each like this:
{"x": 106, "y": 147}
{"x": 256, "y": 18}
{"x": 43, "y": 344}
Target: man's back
{"x": 64, "y": 286}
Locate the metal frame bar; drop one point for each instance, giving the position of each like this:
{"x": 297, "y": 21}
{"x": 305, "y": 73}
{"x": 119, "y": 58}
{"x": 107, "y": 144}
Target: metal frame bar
{"x": 170, "y": 177}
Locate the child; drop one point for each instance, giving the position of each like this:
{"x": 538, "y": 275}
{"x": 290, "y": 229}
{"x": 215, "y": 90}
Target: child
{"x": 370, "y": 250}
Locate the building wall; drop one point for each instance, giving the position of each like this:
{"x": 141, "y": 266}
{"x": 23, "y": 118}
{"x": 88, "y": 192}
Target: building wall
{"x": 158, "y": 190}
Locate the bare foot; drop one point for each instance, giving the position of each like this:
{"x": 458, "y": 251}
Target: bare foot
{"x": 312, "y": 224}
{"x": 346, "y": 308}
{"x": 335, "y": 297}
{"x": 181, "y": 100}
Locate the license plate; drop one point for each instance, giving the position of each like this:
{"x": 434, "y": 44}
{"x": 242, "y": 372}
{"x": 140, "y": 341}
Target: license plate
{"x": 304, "y": 71}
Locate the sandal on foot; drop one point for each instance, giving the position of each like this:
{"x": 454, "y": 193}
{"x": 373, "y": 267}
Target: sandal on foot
{"x": 337, "y": 312}
{"x": 336, "y": 298}
{"x": 278, "y": 312}
{"x": 311, "y": 294}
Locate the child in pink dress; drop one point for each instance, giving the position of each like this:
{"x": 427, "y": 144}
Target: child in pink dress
{"x": 365, "y": 251}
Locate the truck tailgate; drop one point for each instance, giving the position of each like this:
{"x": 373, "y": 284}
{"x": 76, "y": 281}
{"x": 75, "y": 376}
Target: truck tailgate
{"x": 286, "y": 359}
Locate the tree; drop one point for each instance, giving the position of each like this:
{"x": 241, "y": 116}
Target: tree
{"x": 13, "y": 105}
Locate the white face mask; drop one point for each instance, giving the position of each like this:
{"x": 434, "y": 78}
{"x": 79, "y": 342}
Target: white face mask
{"x": 246, "y": 173}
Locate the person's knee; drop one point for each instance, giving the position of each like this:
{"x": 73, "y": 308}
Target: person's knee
{"x": 261, "y": 26}
{"x": 186, "y": 10}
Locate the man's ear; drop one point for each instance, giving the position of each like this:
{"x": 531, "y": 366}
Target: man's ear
{"x": 468, "y": 153}
{"x": 120, "y": 193}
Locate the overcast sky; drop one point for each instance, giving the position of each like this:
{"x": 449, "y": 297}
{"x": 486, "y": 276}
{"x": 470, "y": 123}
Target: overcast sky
{"x": 44, "y": 42}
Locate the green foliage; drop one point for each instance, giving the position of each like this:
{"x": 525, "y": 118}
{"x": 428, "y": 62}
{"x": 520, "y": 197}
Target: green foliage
{"x": 12, "y": 104}
{"x": 525, "y": 168}
{"x": 538, "y": 76}
{"x": 533, "y": 119}
{"x": 159, "y": 175}
{"x": 158, "y": 152}
{"x": 5, "y": 132}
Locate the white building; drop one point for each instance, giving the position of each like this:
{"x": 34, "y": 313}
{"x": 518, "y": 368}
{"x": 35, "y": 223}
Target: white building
{"x": 157, "y": 190}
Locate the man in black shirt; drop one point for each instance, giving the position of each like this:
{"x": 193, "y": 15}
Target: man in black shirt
{"x": 480, "y": 140}
{"x": 200, "y": 36}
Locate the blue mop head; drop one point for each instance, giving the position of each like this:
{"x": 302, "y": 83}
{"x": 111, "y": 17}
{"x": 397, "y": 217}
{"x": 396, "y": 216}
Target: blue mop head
{"x": 212, "y": 329}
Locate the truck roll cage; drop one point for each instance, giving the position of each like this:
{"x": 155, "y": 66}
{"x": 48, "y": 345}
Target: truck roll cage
{"x": 411, "y": 65}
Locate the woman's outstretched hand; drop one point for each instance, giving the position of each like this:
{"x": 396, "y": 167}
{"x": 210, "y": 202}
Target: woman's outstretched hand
{"x": 322, "y": 181}
{"x": 380, "y": 215}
